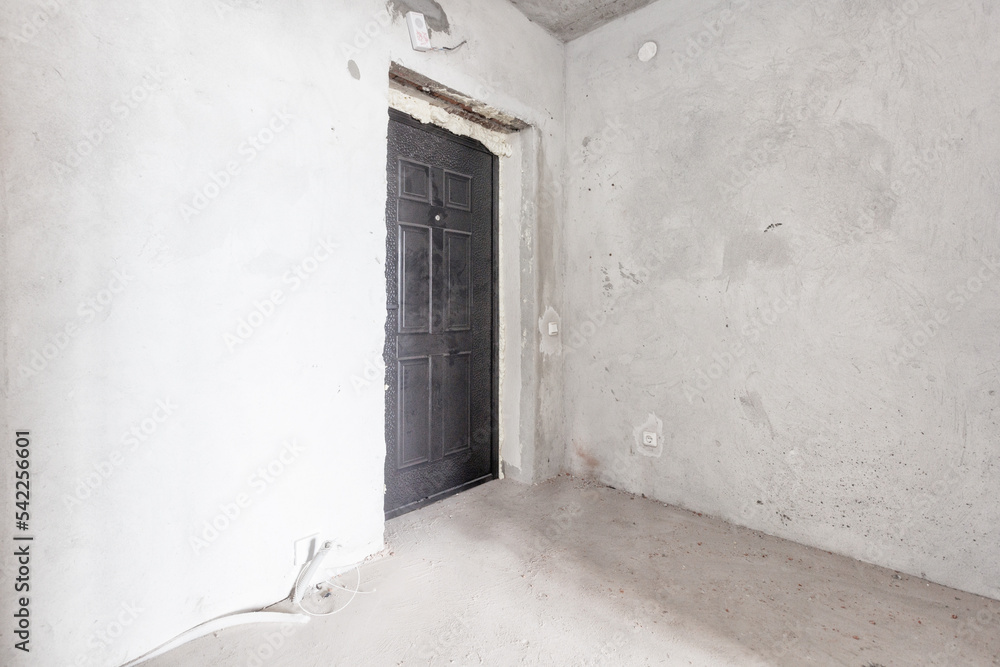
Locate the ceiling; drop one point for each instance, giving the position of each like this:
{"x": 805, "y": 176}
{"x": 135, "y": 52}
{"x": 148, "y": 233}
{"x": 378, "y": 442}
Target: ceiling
{"x": 568, "y": 19}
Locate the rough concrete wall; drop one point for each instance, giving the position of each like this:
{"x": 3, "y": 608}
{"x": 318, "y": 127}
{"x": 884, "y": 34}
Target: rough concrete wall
{"x": 568, "y": 19}
{"x": 193, "y": 200}
{"x": 549, "y": 252}
{"x": 783, "y": 245}
{"x": 539, "y": 271}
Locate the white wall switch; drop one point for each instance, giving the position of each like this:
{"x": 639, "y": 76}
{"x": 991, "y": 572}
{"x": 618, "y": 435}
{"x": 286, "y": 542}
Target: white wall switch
{"x": 553, "y": 328}
{"x": 420, "y": 37}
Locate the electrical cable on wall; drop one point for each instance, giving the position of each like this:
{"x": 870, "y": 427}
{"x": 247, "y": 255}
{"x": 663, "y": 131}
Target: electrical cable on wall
{"x": 215, "y": 625}
{"x": 302, "y": 582}
{"x": 449, "y": 48}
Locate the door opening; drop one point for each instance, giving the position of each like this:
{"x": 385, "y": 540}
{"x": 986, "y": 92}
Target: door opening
{"x": 441, "y": 345}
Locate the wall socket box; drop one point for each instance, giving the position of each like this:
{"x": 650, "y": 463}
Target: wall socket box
{"x": 305, "y": 549}
{"x": 420, "y": 36}
{"x": 649, "y": 439}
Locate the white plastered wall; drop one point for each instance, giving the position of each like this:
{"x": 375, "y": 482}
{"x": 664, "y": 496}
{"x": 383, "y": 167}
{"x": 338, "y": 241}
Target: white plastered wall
{"x": 152, "y": 109}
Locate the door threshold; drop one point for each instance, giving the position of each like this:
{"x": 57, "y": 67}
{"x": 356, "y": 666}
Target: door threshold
{"x": 438, "y": 496}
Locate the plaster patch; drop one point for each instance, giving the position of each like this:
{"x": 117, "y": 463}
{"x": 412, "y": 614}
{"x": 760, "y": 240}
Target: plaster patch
{"x": 432, "y": 11}
{"x": 754, "y": 410}
{"x": 549, "y": 344}
{"x": 652, "y": 424}
{"x": 426, "y": 112}
{"x": 744, "y": 249}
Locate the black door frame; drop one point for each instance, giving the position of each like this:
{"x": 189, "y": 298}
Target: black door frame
{"x": 391, "y": 421}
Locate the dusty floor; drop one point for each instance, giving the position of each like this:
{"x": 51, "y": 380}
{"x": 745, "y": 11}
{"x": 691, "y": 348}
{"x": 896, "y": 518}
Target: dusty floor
{"x": 571, "y": 573}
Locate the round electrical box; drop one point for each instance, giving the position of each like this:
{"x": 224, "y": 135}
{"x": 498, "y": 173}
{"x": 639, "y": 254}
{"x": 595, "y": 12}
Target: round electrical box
{"x": 647, "y": 51}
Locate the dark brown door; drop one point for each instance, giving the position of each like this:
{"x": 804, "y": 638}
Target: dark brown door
{"x": 440, "y": 342}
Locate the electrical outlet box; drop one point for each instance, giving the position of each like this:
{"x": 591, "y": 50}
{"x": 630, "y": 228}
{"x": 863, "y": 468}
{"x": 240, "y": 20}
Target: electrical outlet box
{"x": 420, "y": 36}
{"x": 305, "y": 549}
{"x": 649, "y": 438}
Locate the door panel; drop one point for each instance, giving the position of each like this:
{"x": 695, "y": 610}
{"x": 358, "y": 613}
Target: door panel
{"x": 415, "y": 279}
{"x": 458, "y": 191}
{"x": 458, "y": 300}
{"x": 414, "y": 411}
{"x": 414, "y": 181}
{"x": 456, "y": 385}
{"x": 440, "y": 347}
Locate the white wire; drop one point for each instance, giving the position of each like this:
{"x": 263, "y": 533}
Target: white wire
{"x": 216, "y": 625}
{"x": 337, "y": 611}
{"x": 333, "y": 585}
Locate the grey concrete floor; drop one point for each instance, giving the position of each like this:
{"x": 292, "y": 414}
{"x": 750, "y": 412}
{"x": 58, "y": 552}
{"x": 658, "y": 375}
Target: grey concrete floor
{"x": 572, "y": 573}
